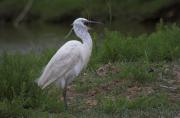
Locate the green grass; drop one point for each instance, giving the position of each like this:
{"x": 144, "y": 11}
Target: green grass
{"x": 162, "y": 45}
{"x": 143, "y": 103}
{"x": 18, "y": 89}
{"x": 132, "y": 91}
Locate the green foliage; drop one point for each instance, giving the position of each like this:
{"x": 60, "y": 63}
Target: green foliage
{"x": 121, "y": 8}
{"x": 118, "y": 105}
{"x": 107, "y": 9}
{"x": 156, "y": 101}
{"x": 53, "y": 9}
{"x": 137, "y": 71}
{"x": 18, "y": 88}
{"x": 121, "y": 104}
{"x": 162, "y": 45}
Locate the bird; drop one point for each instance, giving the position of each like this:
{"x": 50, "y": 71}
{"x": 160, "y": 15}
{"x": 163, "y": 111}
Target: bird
{"x": 67, "y": 63}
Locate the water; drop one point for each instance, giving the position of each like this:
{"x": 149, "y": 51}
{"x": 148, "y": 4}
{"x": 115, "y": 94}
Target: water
{"x": 32, "y": 37}
{"x": 37, "y": 37}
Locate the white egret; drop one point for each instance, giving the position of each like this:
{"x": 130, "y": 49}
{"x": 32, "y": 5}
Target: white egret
{"x": 69, "y": 60}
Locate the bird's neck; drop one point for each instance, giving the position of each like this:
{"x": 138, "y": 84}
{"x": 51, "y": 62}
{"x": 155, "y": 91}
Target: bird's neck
{"x": 84, "y": 35}
{"x": 86, "y": 38}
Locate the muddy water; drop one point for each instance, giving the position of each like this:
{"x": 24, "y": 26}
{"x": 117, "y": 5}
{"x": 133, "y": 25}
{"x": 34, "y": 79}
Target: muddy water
{"x": 32, "y": 37}
{"x": 38, "y": 37}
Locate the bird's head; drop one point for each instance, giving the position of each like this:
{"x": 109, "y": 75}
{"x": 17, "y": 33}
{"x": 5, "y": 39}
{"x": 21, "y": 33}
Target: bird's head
{"x": 82, "y": 23}
{"x": 80, "y": 26}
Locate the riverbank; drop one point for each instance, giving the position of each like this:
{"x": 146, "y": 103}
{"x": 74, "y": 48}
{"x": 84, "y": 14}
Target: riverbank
{"x": 127, "y": 76}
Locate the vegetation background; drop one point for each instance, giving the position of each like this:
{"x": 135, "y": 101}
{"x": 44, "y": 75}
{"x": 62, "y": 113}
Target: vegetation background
{"x": 134, "y": 71}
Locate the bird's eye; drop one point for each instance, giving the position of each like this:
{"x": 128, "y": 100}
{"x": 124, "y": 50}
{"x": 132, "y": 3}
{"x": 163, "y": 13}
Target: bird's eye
{"x": 86, "y": 23}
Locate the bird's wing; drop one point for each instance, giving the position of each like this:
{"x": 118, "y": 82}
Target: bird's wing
{"x": 65, "y": 59}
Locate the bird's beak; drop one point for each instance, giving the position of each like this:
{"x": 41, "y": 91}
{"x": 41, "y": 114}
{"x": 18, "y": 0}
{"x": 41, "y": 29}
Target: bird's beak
{"x": 95, "y": 22}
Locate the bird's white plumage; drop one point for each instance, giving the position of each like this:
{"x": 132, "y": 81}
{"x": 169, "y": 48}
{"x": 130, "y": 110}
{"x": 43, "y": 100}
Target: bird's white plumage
{"x": 69, "y": 60}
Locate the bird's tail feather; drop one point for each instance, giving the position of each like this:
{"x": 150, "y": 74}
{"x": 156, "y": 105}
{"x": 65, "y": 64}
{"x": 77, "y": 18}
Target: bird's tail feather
{"x": 38, "y": 83}
{"x": 42, "y": 82}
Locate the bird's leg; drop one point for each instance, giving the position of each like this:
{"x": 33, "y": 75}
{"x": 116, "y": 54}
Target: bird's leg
{"x": 65, "y": 98}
